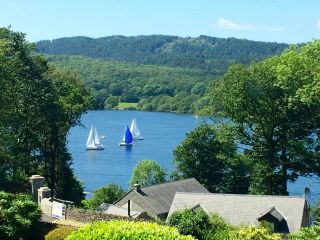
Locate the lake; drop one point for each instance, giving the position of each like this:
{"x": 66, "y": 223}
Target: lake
{"x": 162, "y": 133}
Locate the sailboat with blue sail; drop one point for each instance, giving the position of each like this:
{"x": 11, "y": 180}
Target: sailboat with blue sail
{"x": 93, "y": 141}
{"x": 127, "y": 139}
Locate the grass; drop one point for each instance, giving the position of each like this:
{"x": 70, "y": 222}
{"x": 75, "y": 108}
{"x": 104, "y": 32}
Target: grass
{"x": 127, "y": 105}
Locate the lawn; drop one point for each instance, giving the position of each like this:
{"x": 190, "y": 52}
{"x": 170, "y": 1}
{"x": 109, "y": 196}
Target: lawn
{"x": 127, "y": 105}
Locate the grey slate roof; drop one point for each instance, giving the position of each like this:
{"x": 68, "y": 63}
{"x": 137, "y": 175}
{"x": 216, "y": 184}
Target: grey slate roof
{"x": 117, "y": 211}
{"x": 246, "y": 209}
{"x": 159, "y": 197}
{"x": 273, "y": 212}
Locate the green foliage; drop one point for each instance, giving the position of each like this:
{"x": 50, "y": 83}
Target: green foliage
{"x": 59, "y": 233}
{"x": 211, "y": 157}
{"x": 189, "y": 222}
{"x": 18, "y": 216}
{"x": 38, "y": 105}
{"x": 200, "y": 225}
{"x": 254, "y": 233}
{"x": 203, "y": 52}
{"x": 315, "y": 211}
{"x": 126, "y": 230}
{"x": 108, "y": 194}
{"x": 274, "y": 106}
{"x": 153, "y": 88}
{"x": 148, "y": 172}
{"x": 310, "y": 233}
{"x": 111, "y": 102}
{"x": 160, "y": 73}
{"x": 266, "y": 225}
{"x": 218, "y": 224}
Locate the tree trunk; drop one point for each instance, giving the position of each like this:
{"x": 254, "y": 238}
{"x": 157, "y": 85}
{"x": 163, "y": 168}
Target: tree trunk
{"x": 283, "y": 190}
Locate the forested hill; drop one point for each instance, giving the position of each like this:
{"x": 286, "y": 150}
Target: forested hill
{"x": 150, "y": 87}
{"x": 203, "y": 52}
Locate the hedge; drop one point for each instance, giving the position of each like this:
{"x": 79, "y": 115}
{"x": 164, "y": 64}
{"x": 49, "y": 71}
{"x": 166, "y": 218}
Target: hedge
{"x": 127, "y": 230}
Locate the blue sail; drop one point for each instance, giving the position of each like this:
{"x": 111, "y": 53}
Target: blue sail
{"x": 127, "y": 136}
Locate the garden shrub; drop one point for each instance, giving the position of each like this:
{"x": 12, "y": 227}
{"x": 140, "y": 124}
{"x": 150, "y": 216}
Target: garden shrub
{"x": 193, "y": 223}
{"x": 126, "y": 230}
{"x": 59, "y": 233}
{"x": 308, "y": 233}
{"x": 253, "y": 233}
{"x": 18, "y": 216}
{"x": 220, "y": 229}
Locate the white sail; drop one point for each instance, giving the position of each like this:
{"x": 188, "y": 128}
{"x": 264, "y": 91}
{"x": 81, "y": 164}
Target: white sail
{"x": 90, "y": 140}
{"x": 96, "y": 137}
{"x": 93, "y": 141}
{"x": 135, "y": 130}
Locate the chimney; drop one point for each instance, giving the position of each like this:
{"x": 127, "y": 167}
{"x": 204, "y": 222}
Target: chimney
{"x": 36, "y": 183}
{"x": 137, "y": 187}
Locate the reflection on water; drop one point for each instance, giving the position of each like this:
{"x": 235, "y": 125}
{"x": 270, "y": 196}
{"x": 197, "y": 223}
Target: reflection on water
{"x": 92, "y": 154}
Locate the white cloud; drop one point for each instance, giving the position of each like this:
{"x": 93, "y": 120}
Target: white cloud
{"x": 223, "y": 23}
{"x": 227, "y": 24}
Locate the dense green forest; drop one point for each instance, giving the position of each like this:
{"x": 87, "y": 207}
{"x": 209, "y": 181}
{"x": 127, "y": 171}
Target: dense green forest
{"x": 154, "y": 88}
{"x": 203, "y": 52}
{"x": 158, "y": 72}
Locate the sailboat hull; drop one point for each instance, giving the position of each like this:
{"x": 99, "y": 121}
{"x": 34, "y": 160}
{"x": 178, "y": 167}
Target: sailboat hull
{"x": 95, "y": 148}
{"x": 138, "y": 138}
{"x": 124, "y": 144}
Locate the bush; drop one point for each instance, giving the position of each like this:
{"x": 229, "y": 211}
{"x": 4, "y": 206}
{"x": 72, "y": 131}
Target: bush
{"x": 253, "y": 233}
{"x": 219, "y": 229}
{"x": 192, "y": 223}
{"x": 126, "y": 230}
{"x": 18, "y": 215}
{"x": 59, "y": 233}
{"x": 307, "y": 233}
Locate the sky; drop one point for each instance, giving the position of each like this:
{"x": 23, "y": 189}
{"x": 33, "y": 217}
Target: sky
{"x": 289, "y": 21}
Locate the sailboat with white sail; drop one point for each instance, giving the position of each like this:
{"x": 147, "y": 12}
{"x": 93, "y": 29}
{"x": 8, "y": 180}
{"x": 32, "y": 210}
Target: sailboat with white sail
{"x": 94, "y": 142}
{"x": 136, "y": 134}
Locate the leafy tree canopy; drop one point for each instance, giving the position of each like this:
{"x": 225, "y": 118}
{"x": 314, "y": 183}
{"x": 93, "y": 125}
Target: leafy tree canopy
{"x": 275, "y": 108}
{"x": 108, "y": 194}
{"x": 211, "y": 157}
{"x": 38, "y": 106}
{"x": 148, "y": 172}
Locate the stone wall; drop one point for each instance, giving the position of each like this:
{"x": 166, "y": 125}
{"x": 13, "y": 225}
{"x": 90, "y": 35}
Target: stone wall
{"x": 86, "y": 216}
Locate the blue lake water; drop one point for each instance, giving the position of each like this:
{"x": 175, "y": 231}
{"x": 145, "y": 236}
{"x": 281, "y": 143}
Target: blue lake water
{"x": 162, "y": 133}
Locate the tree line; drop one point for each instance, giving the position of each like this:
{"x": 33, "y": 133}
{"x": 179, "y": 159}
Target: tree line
{"x": 207, "y": 53}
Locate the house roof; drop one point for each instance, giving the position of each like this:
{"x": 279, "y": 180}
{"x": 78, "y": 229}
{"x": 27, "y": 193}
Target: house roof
{"x": 159, "y": 197}
{"x": 117, "y": 211}
{"x": 274, "y": 212}
{"x": 244, "y": 209}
